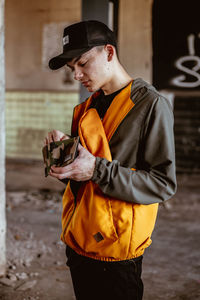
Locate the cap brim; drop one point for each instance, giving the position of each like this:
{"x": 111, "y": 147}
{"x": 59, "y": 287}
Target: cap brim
{"x": 59, "y": 61}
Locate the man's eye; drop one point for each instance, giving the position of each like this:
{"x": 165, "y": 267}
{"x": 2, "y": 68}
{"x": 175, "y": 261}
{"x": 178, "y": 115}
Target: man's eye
{"x": 83, "y": 64}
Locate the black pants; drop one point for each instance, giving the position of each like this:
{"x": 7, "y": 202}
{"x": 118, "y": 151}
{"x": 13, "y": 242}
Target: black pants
{"x": 95, "y": 280}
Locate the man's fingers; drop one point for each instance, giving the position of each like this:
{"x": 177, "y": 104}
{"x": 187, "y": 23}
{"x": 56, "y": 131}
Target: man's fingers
{"x": 61, "y": 172}
{"x": 50, "y": 137}
{"x": 81, "y": 169}
{"x": 45, "y": 142}
{"x": 65, "y": 137}
{"x": 56, "y": 135}
{"x": 58, "y": 176}
{"x": 82, "y": 151}
{"x": 64, "y": 172}
{"x": 80, "y": 147}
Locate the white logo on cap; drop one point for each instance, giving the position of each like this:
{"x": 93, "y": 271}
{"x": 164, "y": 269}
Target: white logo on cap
{"x": 65, "y": 40}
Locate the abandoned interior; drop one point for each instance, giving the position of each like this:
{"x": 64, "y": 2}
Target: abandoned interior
{"x": 158, "y": 41}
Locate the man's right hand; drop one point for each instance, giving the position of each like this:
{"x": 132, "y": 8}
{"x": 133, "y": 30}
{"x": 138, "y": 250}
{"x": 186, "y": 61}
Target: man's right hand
{"x": 55, "y": 136}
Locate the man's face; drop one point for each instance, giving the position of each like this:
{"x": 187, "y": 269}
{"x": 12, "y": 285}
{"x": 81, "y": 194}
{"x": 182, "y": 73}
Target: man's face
{"x": 91, "y": 68}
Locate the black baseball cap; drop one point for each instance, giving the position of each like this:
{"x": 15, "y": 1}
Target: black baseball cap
{"x": 79, "y": 38}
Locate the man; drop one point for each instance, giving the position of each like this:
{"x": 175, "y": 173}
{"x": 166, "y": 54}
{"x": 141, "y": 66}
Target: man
{"x": 125, "y": 167}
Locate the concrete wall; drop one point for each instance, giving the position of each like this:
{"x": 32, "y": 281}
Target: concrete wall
{"x": 33, "y": 34}
{"x": 34, "y": 31}
{"x": 2, "y": 147}
{"x": 135, "y": 43}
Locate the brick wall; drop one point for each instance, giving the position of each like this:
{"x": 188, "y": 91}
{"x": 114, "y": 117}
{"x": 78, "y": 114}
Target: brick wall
{"x": 29, "y": 117}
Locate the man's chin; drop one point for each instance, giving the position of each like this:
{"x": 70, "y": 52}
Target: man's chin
{"x": 90, "y": 89}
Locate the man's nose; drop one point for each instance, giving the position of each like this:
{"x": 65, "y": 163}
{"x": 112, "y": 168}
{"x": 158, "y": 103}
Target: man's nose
{"x": 78, "y": 74}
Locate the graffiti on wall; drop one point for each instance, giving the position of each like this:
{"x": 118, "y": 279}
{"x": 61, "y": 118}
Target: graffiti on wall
{"x": 176, "y": 45}
{"x": 181, "y": 81}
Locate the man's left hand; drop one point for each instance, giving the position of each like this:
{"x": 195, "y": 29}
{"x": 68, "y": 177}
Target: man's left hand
{"x": 81, "y": 169}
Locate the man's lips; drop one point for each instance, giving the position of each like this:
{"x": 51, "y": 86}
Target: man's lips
{"x": 85, "y": 83}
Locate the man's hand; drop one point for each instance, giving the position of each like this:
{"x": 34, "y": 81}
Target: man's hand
{"x": 81, "y": 169}
{"x": 55, "y": 136}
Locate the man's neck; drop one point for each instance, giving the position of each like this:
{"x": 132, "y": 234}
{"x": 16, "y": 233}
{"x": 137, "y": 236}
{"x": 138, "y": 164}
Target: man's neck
{"x": 119, "y": 80}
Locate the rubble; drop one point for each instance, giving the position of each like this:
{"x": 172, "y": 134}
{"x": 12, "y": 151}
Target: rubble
{"x": 31, "y": 298}
{"x": 24, "y": 250}
{"x": 34, "y": 246}
{"x": 21, "y": 276}
{"x": 7, "y": 282}
{"x": 22, "y": 245}
{"x": 34, "y": 274}
{"x": 41, "y": 199}
{"x": 12, "y": 277}
{"x": 27, "y": 285}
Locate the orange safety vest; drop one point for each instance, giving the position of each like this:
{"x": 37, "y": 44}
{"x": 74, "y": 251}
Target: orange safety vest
{"x": 96, "y": 225}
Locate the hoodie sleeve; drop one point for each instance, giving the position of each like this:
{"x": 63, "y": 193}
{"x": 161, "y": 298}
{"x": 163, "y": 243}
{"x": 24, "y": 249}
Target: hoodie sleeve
{"x": 154, "y": 179}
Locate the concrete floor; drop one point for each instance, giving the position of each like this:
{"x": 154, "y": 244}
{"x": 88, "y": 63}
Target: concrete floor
{"x": 36, "y": 261}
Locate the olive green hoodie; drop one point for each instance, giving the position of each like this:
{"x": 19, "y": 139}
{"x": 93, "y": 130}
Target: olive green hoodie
{"x": 113, "y": 215}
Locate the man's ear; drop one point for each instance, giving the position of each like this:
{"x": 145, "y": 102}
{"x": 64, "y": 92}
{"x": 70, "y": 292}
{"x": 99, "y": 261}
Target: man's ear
{"x": 110, "y": 51}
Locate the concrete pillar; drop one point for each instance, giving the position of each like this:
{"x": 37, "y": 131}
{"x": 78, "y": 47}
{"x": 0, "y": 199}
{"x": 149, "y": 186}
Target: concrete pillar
{"x": 93, "y": 10}
{"x": 2, "y": 146}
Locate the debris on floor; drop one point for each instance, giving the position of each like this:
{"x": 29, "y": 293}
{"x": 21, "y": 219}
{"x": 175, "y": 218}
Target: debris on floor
{"x": 36, "y": 262}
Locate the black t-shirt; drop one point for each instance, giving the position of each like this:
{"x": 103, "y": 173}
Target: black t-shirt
{"x": 102, "y": 102}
